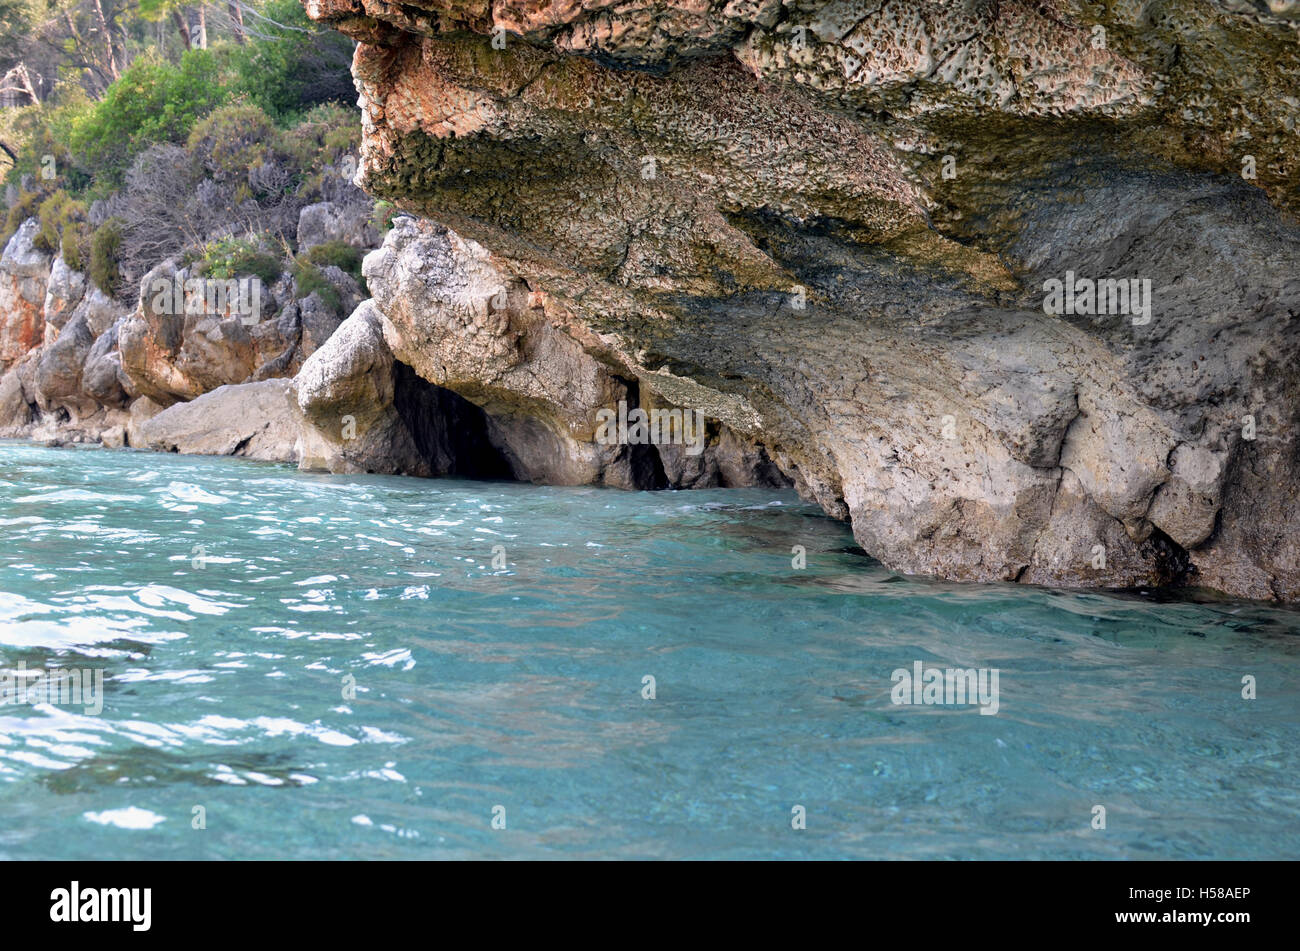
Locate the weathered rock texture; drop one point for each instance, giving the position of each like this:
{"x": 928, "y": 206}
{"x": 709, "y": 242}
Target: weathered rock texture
{"x": 829, "y": 226}
{"x": 368, "y": 413}
{"x": 254, "y": 420}
{"x": 24, "y": 273}
{"x": 77, "y": 365}
{"x": 450, "y": 314}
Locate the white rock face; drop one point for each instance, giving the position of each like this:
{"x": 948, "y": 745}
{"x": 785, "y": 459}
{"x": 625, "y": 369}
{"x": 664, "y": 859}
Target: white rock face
{"x": 345, "y": 392}
{"x": 330, "y": 221}
{"x": 62, "y": 294}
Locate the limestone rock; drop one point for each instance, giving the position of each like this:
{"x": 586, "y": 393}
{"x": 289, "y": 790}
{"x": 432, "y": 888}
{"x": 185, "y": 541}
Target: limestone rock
{"x": 102, "y": 378}
{"x": 24, "y": 273}
{"x": 318, "y": 318}
{"x": 139, "y": 412}
{"x": 15, "y": 411}
{"x": 345, "y": 392}
{"x": 63, "y": 293}
{"x": 835, "y": 228}
{"x": 332, "y": 221}
{"x": 58, "y": 373}
{"x": 176, "y": 348}
{"x": 253, "y": 420}
{"x": 364, "y": 412}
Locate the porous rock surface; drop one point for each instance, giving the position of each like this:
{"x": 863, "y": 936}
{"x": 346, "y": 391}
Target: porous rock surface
{"x": 831, "y": 225}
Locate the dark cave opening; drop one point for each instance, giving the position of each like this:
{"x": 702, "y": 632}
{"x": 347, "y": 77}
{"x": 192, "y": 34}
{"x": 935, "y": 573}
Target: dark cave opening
{"x": 450, "y": 433}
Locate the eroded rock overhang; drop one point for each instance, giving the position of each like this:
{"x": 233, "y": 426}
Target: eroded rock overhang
{"x": 834, "y": 226}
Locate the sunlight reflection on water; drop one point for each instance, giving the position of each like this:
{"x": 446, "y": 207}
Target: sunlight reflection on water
{"x": 231, "y": 603}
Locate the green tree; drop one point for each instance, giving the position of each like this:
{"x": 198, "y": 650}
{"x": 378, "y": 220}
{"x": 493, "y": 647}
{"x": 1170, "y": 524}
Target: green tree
{"x": 151, "y": 103}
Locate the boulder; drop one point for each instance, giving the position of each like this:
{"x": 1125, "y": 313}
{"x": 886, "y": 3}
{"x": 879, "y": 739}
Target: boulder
{"x": 174, "y": 348}
{"x": 63, "y": 293}
{"x": 102, "y": 378}
{"x": 345, "y": 391}
{"x": 331, "y": 221}
{"x": 252, "y": 420}
{"x": 59, "y": 370}
{"x": 15, "y": 411}
{"x": 319, "y": 318}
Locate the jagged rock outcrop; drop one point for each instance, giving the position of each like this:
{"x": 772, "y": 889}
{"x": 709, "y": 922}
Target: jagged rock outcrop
{"x": 530, "y": 388}
{"x": 59, "y": 370}
{"x": 102, "y": 377}
{"x": 346, "y": 393}
{"x": 869, "y": 237}
{"x": 336, "y": 221}
{"x": 63, "y": 292}
{"x": 24, "y": 273}
{"x": 83, "y": 367}
{"x": 367, "y": 411}
{"x": 175, "y": 348}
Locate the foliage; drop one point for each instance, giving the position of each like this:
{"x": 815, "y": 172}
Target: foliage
{"x": 323, "y": 135}
{"x": 295, "y": 67}
{"x": 105, "y": 244}
{"x": 233, "y": 257}
{"x": 62, "y": 222}
{"x": 27, "y": 206}
{"x": 143, "y": 148}
{"x": 152, "y": 103}
{"x": 285, "y": 69}
{"x": 231, "y": 140}
{"x": 43, "y": 133}
{"x": 382, "y": 219}
{"x": 340, "y": 254}
{"x": 311, "y": 279}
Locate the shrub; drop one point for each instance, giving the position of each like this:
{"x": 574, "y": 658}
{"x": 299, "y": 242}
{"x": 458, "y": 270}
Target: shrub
{"x": 311, "y": 279}
{"x": 231, "y": 140}
{"x": 62, "y": 219}
{"x": 41, "y": 134}
{"x": 340, "y": 254}
{"x": 76, "y": 244}
{"x": 323, "y": 146}
{"x": 27, "y": 206}
{"x": 232, "y": 257}
{"x": 151, "y": 103}
{"x": 105, "y": 244}
{"x": 47, "y": 216}
{"x": 291, "y": 68}
{"x": 299, "y": 65}
{"x": 382, "y": 219}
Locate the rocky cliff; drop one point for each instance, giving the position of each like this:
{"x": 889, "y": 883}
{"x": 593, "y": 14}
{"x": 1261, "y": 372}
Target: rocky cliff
{"x": 77, "y": 365}
{"x": 1012, "y": 286}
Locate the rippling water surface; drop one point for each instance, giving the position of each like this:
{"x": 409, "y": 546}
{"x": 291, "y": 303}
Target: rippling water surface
{"x": 231, "y": 604}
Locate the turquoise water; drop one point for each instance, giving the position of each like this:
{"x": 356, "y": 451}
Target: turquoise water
{"x": 226, "y": 667}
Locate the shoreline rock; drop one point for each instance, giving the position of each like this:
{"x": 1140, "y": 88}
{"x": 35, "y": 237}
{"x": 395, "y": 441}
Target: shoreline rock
{"x": 988, "y": 281}
{"x": 834, "y": 229}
